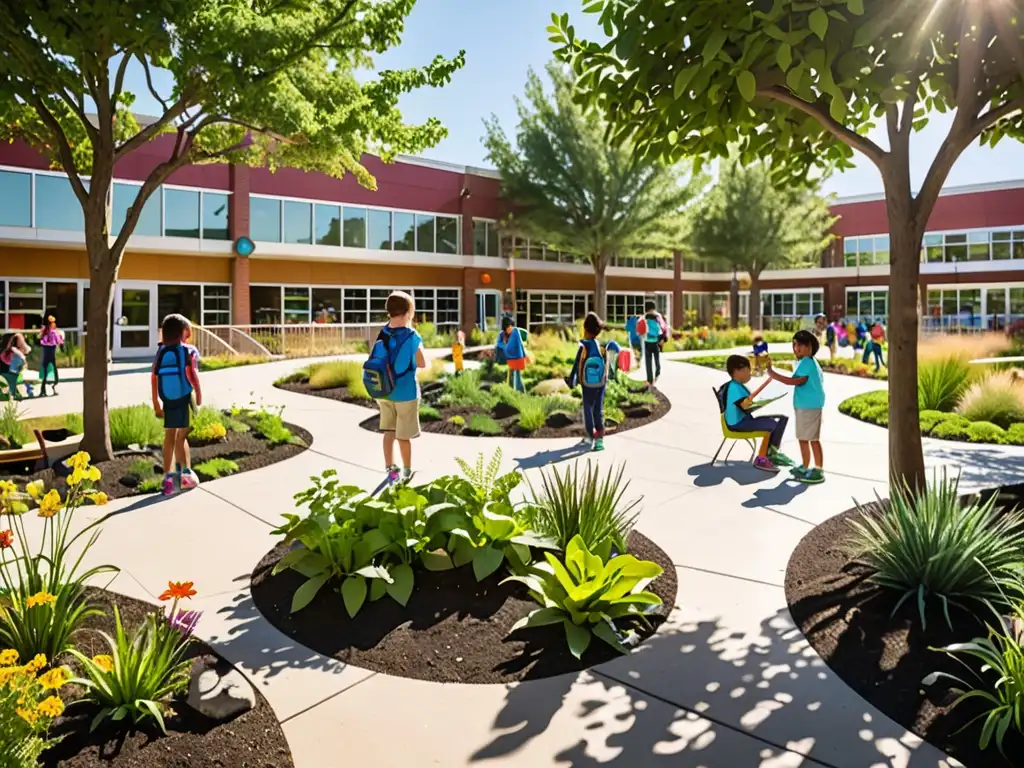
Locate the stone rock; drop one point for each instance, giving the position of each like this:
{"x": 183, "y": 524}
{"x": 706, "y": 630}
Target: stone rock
{"x": 220, "y": 692}
{"x": 504, "y": 411}
{"x": 485, "y": 386}
{"x": 639, "y": 412}
{"x": 551, "y": 387}
{"x": 560, "y": 419}
{"x": 431, "y": 387}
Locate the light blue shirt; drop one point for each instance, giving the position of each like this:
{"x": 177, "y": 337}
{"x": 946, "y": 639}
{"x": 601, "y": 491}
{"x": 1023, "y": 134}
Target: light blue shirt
{"x": 735, "y": 394}
{"x": 811, "y": 394}
{"x": 404, "y": 367}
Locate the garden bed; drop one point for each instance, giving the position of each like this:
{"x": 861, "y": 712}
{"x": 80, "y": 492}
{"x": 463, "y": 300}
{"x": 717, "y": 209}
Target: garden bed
{"x": 453, "y": 630}
{"x": 884, "y": 656}
{"x": 252, "y": 740}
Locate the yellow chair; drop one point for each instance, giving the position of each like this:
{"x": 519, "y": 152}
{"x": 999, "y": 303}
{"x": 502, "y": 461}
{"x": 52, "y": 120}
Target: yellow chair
{"x": 728, "y": 434}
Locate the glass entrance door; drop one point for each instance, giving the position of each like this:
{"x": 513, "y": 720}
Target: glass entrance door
{"x": 488, "y": 310}
{"x": 135, "y": 320}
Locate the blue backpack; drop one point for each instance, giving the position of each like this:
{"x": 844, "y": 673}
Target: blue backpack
{"x": 170, "y": 368}
{"x": 379, "y": 370}
{"x": 595, "y": 367}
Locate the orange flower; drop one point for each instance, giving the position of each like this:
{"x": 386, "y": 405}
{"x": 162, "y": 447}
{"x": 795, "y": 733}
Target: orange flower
{"x": 40, "y": 598}
{"x": 36, "y": 664}
{"x": 6, "y": 539}
{"x": 176, "y": 590}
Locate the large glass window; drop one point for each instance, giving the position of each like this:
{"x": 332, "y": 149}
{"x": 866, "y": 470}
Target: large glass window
{"x": 124, "y": 197}
{"x": 480, "y": 238}
{"x": 355, "y": 227}
{"x": 424, "y": 233}
{"x": 16, "y": 200}
{"x": 265, "y": 220}
{"x": 328, "y": 225}
{"x": 56, "y": 205}
{"x": 380, "y": 230}
{"x": 181, "y": 213}
{"x": 1001, "y": 246}
{"x": 215, "y": 216}
{"x": 265, "y": 304}
{"x": 326, "y": 305}
{"x": 867, "y": 304}
{"x": 447, "y": 234}
{"x": 448, "y": 308}
{"x": 298, "y": 225}
{"x": 405, "y": 231}
{"x": 356, "y": 307}
{"x": 378, "y": 305}
{"x": 62, "y": 303}
{"x": 184, "y": 299}
{"x": 25, "y": 304}
{"x": 296, "y": 305}
{"x": 216, "y": 305}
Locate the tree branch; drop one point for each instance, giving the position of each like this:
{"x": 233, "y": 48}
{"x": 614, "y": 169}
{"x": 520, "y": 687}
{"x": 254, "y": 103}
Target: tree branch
{"x": 314, "y": 38}
{"x": 149, "y": 81}
{"x": 159, "y": 175}
{"x": 862, "y": 144}
{"x": 970, "y": 51}
{"x": 155, "y": 127}
{"x": 122, "y": 68}
{"x": 993, "y": 116}
{"x": 63, "y": 147}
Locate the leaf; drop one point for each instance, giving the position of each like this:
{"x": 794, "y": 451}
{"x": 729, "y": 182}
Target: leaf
{"x": 540, "y": 618}
{"x": 578, "y": 638}
{"x": 437, "y": 561}
{"x": 747, "y": 84}
{"x": 683, "y": 80}
{"x": 374, "y": 572}
{"x": 290, "y": 559}
{"x": 378, "y": 588}
{"x": 714, "y": 44}
{"x": 606, "y": 631}
{"x": 793, "y": 78}
{"x": 856, "y": 7}
{"x": 304, "y": 595}
{"x": 463, "y": 553}
{"x": 818, "y": 22}
{"x": 486, "y": 561}
{"x": 784, "y": 56}
{"x": 400, "y": 588}
{"x": 837, "y": 108}
{"x": 353, "y": 592}
{"x": 673, "y": 137}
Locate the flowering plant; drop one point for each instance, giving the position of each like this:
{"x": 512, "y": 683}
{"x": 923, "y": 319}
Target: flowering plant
{"x": 42, "y": 592}
{"x": 144, "y": 669}
{"x": 28, "y": 704}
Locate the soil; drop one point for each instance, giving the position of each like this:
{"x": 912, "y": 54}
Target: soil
{"x": 247, "y": 449}
{"x": 252, "y": 740}
{"x": 453, "y": 630}
{"x": 885, "y": 657}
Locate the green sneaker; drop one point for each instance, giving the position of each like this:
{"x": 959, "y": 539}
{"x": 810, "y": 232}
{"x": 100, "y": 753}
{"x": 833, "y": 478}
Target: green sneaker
{"x": 599, "y": 444}
{"x": 779, "y": 458}
{"x": 798, "y": 473}
{"x": 813, "y": 476}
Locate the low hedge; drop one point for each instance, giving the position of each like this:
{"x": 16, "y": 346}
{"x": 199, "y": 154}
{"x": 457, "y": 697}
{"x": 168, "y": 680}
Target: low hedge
{"x": 873, "y": 407}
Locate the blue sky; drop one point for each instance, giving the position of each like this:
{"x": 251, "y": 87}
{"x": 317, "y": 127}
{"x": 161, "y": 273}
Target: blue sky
{"x": 504, "y": 38}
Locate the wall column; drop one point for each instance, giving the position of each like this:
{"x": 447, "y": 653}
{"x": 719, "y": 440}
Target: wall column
{"x": 240, "y": 314}
{"x": 238, "y": 226}
{"x": 677, "y": 289}
{"x": 470, "y": 278}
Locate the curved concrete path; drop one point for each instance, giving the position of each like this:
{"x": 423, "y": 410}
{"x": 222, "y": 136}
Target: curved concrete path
{"x": 728, "y": 681}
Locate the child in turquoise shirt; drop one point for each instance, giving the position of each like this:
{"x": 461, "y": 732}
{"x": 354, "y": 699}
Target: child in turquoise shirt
{"x": 808, "y": 403}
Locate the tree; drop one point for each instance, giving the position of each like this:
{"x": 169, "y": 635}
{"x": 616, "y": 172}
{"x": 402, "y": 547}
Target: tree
{"x": 802, "y": 83}
{"x": 254, "y": 81}
{"x": 754, "y": 225}
{"x": 572, "y": 188}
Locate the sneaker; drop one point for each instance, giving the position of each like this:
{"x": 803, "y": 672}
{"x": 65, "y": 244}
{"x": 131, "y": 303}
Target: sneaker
{"x": 813, "y": 476}
{"x": 393, "y": 475}
{"x": 406, "y": 476}
{"x": 779, "y": 458}
{"x": 168, "y": 487}
{"x": 765, "y": 464}
{"x": 189, "y": 479}
{"x": 599, "y": 444}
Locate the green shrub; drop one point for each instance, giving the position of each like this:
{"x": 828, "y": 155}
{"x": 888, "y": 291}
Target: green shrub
{"x": 929, "y": 419}
{"x": 926, "y": 546}
{"x": 940, "y": 383}
{"x": 998, "y": 398}
{"x": 216, "y": 467}
{"x": 554, "y": 403}
{"x": 135, "y": 425}
{"x": 876, "y": 414}
{"x": 142, "y": 469}
{"x": 429, "y": 413}
{"x": 457, "y": 420}
{"x": 640, "y": 398}
{"x": 150, "y": 485}
{"x": 205, "y": 416}
{"x": 339, "y": 373}
{"x": 271, "y": 426}
{"x": 532, "y": 413}
{"x": 465, "y": 390}
{"x": 484, "y": 424}
{"x": 1015, "y": 434}
{"x": 11, "y": 427}
{"x": 219, "y": 362}
{"x": 614, "y": 415}
{"x": 300, "y": 376}
{"x": 951, "y": 429}
{"x": 986, "y": 432}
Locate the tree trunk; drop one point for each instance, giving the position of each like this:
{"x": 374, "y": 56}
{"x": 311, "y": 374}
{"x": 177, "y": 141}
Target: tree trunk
{"x": 734, "y": 302}
{"x": 601, "y": 288}
{"x": 96, "y": 438}
{"x": 755, "y": 302}
{"x": 906, "y": 457}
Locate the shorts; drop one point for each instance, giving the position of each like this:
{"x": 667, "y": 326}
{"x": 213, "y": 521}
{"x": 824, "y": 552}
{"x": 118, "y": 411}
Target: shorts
{"x": 808, "y": 424}
{"x": 178, "y": 413}
{"x": 402, "y": 418}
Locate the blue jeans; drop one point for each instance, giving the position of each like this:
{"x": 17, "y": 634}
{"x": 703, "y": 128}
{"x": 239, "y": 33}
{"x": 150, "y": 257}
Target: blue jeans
{"x": 593, "y": 411}
{"x": 515, "y": 380}
{"x": 873, "y": 347}
{"x": 776, "y": 425}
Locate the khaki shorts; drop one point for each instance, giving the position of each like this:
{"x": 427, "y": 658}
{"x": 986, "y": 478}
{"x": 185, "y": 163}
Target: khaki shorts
{"x": 402, "y": 418}
{"x": 808, "y": 423}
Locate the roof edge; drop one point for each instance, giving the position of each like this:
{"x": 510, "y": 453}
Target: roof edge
{"x": 966, "y": 189}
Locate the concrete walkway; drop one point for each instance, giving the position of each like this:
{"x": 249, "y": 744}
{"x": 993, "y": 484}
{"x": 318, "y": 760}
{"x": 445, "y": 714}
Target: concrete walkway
{"x": 727, "y": 682}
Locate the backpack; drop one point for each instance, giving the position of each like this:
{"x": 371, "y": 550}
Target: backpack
{"x": 379, "y": 370}
{"x": 653, "y": 334}
{"x": 170, "y": 366}
{"x": 595, "y": 366}
{"x": 499, "y": 349}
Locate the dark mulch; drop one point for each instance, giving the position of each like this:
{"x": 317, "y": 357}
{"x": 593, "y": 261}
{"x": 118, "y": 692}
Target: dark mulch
{"x": 453, "y": 630}
{"x": 885, "y": 657}
{"x": 253, "y": 740}
{"x": 247, "y": 449}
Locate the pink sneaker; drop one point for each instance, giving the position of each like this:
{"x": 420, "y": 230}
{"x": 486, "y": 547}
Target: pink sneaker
{"x": 168, "y": 487}
{"x": 189, "y": 479}
{"x": 765, "y": 464}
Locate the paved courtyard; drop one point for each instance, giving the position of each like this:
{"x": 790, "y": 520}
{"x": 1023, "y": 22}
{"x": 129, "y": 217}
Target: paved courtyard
{"x": 727, "y": 682}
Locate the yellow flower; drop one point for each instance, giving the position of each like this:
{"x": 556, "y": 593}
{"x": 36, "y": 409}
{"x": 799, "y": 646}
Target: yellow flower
{"x": 54, "y": 679}
{"x": 28, "y": 715}
{"x": 93, "y": 474}
{"x": 51, "y": 706}
{"x": 40, "y": 598}
{"x": 8, "y": 657}
{"x": 7, "y": 488}
{"x": 7, "y": 673}
{"x": 36, "y": 664}
{"x": 79, "y": 461}
{"x": 104, "y": 662}
{"x": 77, "y": 476}
{"x": 50, "y": 504}
{"x": 99, "y": 498}
{"x": 35, "y": 489}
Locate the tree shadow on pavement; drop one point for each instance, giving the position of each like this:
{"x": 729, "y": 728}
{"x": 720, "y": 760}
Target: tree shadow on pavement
{"x": 978, "y": 467}
{"x": 708, "y": 475}
{"x": 544, "y": 458}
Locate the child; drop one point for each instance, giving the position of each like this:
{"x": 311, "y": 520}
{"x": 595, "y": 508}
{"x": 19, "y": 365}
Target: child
{"x": 635, "y": 342}
{"x": 400, "y": 410}
{"x": 851, "y": 336}
{"x": 590, "y": 371}
{"x": 175, "y": 379}
{"x": 739, "y": 402}
{"x": 808, "y": 402}
{"x": 612, "y": 350}
{"x": 51, "y": 338}
{"x": 761, "y": 359}
{"x": 457, "y": 348}
{"x": 13, "y": 358}
{"x": 651, "y": 329}
{"x": 873, "y": 345}
{"x": 510, "y": 347}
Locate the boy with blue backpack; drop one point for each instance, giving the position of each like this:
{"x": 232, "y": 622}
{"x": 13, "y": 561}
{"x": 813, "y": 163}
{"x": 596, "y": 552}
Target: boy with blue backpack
{"x": 390, "y": 377}
{"x": 590, "y": 371}
{"x": 175, "y": 380}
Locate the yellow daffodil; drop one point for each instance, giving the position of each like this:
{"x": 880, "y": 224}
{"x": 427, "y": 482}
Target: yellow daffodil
{"x": 54, "y": 679}
{"x": 7, "y": 488}
{"x": 79, "y": 461}
{"x": 40, "y": 598}
{"x": 51, "y": 707}
{"x": 38, "y": 662}
{"x": 28, "y": 715}
{"x": 104, "y": 662}
{"x": 7, "y": 673}
{"x": 35, "y": 489}
{"x": 77, "y": 476}
{"x": 8, "y": 657}
{"x": 50, "y": 503}
{"x": 99, "y": 498}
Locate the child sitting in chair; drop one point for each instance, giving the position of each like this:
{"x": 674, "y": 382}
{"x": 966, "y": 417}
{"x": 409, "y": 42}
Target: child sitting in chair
{"x": 739, "y": 404}
{"x": 761, "y": 359}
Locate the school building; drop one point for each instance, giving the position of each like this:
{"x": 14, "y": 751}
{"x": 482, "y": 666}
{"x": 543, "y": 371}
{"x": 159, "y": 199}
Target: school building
{"x": 231, "y": 246}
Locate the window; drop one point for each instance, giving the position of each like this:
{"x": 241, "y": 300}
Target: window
{"x": 326, "y": 305}
{"x": 378, "y": 302}
{"x": 25, "y": 304}
{"x": 3, "y": 303}
{"x": 61, "y": 302}
{"x": 424, "y": 300}
{"x": 265, "y": 304}
{"x": 424, "y": 233}
{"x": 355, "y": 227}
{"x": 184, "y": 299}
{"x": 1018, "y": 245}
{"x": 379, "y": 230}
{"x": 356, "y": 307}
{"x": 556, "y": 308}
{"x": 124, "y": 197}
{"x": 265, "y": 220}
{"x": 448, "y": 314}
{"x": 405, "y": 231}
{"x": 328, "y": 225}
{"x": 56, "y": 205}
{"x": 216, "y": 305}
{"x": 933, "y": 248}
{"x": 298, "y": 228}
{"x": 1001, "y": 247}
{"x": 296, "y": 305}
{"x": 16, "y": 200}
{"x": 181, "y": 213}
{"x": 867, "y": 304}
{"x": 480, "y": 228}
{"x": 882, "y": 250}
{"x": 215, "y": 216}
{"x": 447, "y": 234}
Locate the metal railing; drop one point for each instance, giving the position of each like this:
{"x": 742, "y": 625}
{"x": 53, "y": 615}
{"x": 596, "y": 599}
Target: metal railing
{"x": 298, "y": 340}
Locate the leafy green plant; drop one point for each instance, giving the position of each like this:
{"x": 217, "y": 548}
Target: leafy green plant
{"x": 216, "y": 467}
{"x": 135, "y": 425}
{"x": 270, "y": 425}
{"x": 300, "y": 376}
{"x": 588, "y": 504}
{"x": 340, "y": 373}
{"x": 141, "y": 469}
{"x": 532, "y": 413}
{"x": 457, "y": 420}
{"x": 484, "y": 424}
{"x": 997, "y": 398}
{"x": 928, "y": 420}
{"x": 926, "y": 545}
{"x": 614, "y": 415}
{"x": 951, "y": 429}
{"x": 587, "y": 595}
{"x": 429, "y": 413}
{"x": 11, "y": 427}
{"x": 465, "y": 390}
{"x": 150, "y": 485}
{"x": 986, "y": 432}
{"x": 1015, "y": 434}
{"x": 941, "y": 382}
{"x": 206, "y": 417}
{"x": 74, "y": 423}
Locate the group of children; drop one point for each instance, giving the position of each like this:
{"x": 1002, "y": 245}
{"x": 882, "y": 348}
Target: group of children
{"x": 14, "y": 352}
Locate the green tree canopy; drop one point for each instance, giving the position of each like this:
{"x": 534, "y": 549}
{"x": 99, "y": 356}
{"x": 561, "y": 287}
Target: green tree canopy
{"x": 260, "y": 82}
{"x": 801, "y": 84}
{"x": 754, "y": 225}
{"x": 571, "y": 187}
